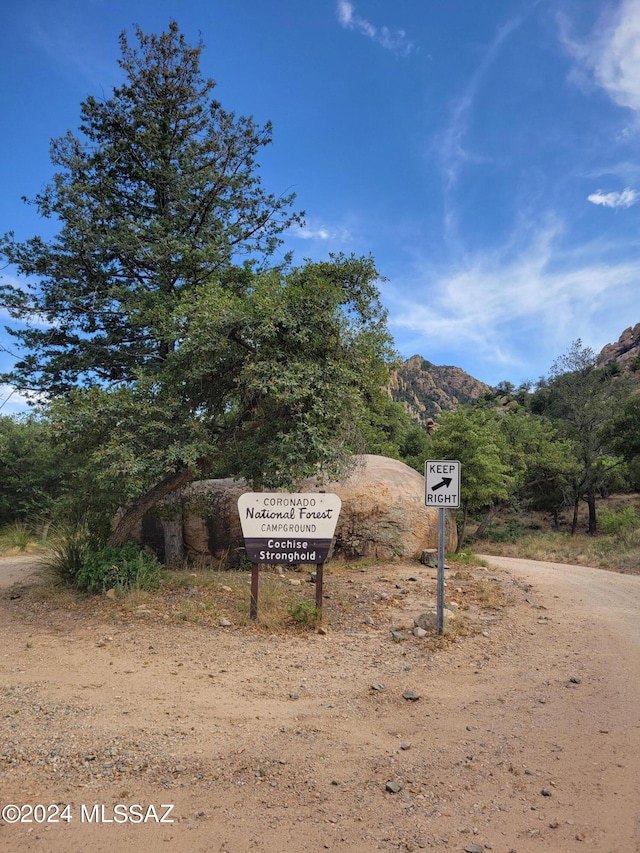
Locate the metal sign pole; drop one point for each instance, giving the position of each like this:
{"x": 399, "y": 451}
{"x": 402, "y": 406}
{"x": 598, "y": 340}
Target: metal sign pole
{"x": 441, "y": 541}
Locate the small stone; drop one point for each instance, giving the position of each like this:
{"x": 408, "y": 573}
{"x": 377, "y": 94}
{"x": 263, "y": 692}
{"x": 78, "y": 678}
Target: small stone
{"x": 295, "y": 582}
{"x": 405, "y": 745}
{"x": 313, "y": 577}
{"x": 473, "y": 848}
{"x": 377, "y": 686}
{"x": 393, "y": 787}
{"x": 111, "y": 593}
{"x": 322, "y": 631}
{"x": 224, "y": 623}
{"x": 546, "y": 792}
{"x": 410, "y": 696}
{"x": 419, "y": 632}
{"x": 398, "y": 636}
{"x": 412, "y": 578}
{"x": 575, "y": 679}
{"x": 294, "y": 695}
{"x": 226, "y": 589}
{"x": 367, "y": 620}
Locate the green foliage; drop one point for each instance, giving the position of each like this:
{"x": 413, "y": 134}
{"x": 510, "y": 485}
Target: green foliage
{"x": 68, "y": 545}
{"x": 16, "y": 537}
{"x": 31, "y": 474}
{"x": 389, "y": 430}
{"x": 121, "y": 568}
{"x": 622, "y": 432}
{"x": 510, "y": 532}
{"x": 164, "y": 354}
{"x": 159, "y": 192}
{"x": 582, "y": 399}
{"x": 621, "y": 524}
{"x": 304, "y": 614}
{"x": 465, "y": 557}
{"x": 472, "y": 435}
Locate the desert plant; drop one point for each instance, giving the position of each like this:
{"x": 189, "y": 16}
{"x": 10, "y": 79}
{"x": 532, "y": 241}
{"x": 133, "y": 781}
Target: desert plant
{"x": 304, "y": 614}
{"x": 68, "y": 546}
{"x": 16, "y": 537}
{"x": 121, "y": 568}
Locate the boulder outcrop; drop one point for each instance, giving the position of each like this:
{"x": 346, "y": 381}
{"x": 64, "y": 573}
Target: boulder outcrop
{"x": 383, "y": 515}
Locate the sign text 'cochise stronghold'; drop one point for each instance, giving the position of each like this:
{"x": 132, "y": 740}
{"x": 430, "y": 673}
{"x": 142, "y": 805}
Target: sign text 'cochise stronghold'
{"x": 288, "y": 528}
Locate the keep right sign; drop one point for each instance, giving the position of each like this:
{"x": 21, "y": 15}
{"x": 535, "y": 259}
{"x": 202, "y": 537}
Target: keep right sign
{"x": 442, "y": 483}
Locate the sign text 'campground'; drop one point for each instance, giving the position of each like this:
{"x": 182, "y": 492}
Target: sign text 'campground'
{"x": 288, "y": 528}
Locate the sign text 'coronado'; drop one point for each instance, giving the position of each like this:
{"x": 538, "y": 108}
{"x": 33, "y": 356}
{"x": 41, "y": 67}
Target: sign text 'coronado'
{"x": 288, "y": 528}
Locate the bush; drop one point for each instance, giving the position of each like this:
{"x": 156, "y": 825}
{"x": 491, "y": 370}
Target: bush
{"x": 119, "y": 568}
{"x": 305, "y": 614}
{"x": 511, "y": 531}
{"x": 68, "y": 546}
{"x": 16, "y": 537}
{"x": 621, "y": 524}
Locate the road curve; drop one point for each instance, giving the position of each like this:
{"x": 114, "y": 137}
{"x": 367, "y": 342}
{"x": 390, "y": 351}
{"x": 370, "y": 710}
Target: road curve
{"x": 608, "y": 598}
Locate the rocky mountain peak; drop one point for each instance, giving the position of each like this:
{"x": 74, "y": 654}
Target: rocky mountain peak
{"x": 626, "y": 350}
{"x": 426, "y": 389}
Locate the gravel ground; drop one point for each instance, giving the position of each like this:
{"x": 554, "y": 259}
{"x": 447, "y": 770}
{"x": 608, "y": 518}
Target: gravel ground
{"x": 524, "y": 733}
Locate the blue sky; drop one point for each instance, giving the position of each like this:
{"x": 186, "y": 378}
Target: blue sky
{"x": 486, "y": 154}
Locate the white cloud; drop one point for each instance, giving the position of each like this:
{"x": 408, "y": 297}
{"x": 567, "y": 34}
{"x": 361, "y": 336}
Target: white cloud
{"x": 531, "y": 295}
{"x": 320, "y": 231}
{"x": 13, "y": 402}
{"x": 624, "y": 199}
{"x": 395, "y": 40}
{"x": 611, "y": 56}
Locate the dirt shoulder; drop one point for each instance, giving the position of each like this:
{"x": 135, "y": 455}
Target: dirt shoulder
{"x": 525, "y": 733}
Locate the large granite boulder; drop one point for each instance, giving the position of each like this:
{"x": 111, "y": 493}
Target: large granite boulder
{"x": 383, "y": 515}
{"x": 383, "y": 512}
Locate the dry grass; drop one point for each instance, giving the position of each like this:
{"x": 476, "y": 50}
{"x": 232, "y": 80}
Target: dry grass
{"x": 531, "y": 537}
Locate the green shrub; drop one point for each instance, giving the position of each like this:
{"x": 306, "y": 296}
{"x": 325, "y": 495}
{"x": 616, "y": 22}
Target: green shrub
{"x": 68, "y": 546}
{"x": 16, "y": 537}
{"x": 511, "y": 531}
{"x": 121, "y": 568}
{"x": 622, "y": 524}
{"x": 305, "y": 614}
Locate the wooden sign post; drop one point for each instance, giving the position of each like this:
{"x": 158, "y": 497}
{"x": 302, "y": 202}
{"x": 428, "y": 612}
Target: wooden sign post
{"x": 287, "y": 528}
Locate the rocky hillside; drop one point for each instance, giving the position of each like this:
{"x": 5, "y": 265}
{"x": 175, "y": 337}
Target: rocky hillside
{"x": 626, "y": 351}
{"x": 427, "y": 389}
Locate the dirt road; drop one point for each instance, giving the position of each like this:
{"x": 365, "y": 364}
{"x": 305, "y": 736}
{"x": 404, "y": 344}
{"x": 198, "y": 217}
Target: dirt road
{"x": 523, "y": 736}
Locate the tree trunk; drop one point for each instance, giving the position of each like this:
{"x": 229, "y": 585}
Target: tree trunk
{"x": 134, "y": 514}
{"x": 574, "y": 523}
{"x": 463, "y": 529}
{"x": 591, "y": 503}
{"x": 172, "y": 529}
{"x": 486, "y": 521}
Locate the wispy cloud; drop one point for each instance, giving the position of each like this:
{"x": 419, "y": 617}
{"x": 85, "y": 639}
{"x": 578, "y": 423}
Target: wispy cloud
{"x": 623, "y": 199}
{"x": 450, "y": 146}
{"x": 391, "y": 39}
{"x": 320, "y": 231}
{"x": 611, "y": 55}
{"x": 532, "y": 293}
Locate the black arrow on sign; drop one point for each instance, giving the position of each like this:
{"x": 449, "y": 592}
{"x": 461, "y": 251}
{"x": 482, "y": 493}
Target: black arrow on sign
{"x": 446, "y": 481}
